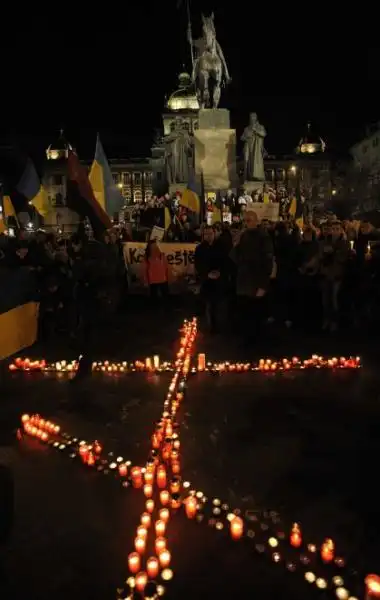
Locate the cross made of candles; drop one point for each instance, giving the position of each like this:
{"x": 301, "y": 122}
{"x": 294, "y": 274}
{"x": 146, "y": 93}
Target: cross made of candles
{"x": 167, "y": 495}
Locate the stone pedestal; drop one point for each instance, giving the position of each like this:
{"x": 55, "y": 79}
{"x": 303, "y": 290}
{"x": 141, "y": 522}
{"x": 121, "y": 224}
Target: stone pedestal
{"x": 215, "y": 150}
{"x": 252, "y": 187}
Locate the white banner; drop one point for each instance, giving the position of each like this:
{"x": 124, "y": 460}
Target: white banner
{"x": 270, "y": 211}
{"x": 180, "y": 259}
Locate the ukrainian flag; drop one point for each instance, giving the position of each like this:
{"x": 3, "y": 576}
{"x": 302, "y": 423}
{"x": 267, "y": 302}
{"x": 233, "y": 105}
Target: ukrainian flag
{"x": 296, "y": 208}
{"x": 190, "y": 198}
{"x": 9, "y": 210}
{"x": 105, "y": 190}
{"x": 18, "y": 311}
{"x": 31, "y": 188}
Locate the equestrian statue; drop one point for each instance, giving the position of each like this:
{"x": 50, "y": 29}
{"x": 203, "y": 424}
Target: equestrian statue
{"x": 209, "y": 66}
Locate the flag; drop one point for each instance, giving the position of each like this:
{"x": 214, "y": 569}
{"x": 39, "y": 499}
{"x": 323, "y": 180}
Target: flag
{"x": 80, "y": 196}
{"x": 296, "y": 207}
{"x": 167, "y": 218}
{"x": 9, "y": 210}
{"x": 190, "y": 198}
{"x": 105, "y": 190}
{"x": 31, "y": 188}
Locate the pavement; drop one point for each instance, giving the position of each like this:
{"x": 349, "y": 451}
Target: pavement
{"x": 298, "y": 446}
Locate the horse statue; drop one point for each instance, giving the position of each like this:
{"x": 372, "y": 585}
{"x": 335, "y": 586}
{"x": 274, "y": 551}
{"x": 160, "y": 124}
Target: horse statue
{"x": 210, "y": 67}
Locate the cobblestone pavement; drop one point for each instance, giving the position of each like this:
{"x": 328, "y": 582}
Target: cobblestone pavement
{"x": 301, "y": 443}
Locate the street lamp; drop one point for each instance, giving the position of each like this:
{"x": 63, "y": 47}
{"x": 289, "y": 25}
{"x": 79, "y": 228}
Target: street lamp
{"x": 293, "y": 169}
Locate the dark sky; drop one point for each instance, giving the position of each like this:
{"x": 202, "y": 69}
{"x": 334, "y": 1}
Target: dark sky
{"x": 110, "y": 71}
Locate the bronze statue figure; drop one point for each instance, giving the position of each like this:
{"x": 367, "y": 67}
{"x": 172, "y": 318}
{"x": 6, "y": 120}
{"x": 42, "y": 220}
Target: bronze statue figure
{"x": 210, "y": 67}
{"x": 178, "y": 154}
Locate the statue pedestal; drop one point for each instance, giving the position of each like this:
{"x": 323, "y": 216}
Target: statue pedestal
{"x": 215, "y": 150}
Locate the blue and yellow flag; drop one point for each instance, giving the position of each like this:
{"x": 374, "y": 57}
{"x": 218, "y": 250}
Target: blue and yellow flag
{"x": 31, "y": 188}
{"x": 190, "y": 197}
{"x": 105, "y": 190}
{"x": 9, "y": 210}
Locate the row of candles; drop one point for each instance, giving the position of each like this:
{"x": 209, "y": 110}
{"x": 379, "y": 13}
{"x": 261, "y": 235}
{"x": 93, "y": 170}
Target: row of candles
{"x": 163, "y": 473}
{"x": 168, "y": 501}
{"x": 155, "y": 365}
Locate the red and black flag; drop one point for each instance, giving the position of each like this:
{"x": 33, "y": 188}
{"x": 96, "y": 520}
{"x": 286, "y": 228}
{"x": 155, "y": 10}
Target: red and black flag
{"x": 81, "y": 199}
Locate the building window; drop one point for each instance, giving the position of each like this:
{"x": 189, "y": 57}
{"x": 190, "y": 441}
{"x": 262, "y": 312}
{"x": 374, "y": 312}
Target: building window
{"x": 186, "y": 126}
{"x": 137, "y": 178}
{"x": 137, "y": 196}
{"x": 148, "y": 178}
{"x": 269, "y": 175}
{"x": 375, "y": 142}
{"x": 172, "y": 126}
{"x": 159, "y": 175}
{"x": 115, "y": 177}
{"x": 195, "y": 126}
{"x": 127, "y": 195}
{"x": 126, "y": 177}
{"x": 280, "y": 174}
{"x": 58, "y": 201}
{"x": 57, "y": 179}
{"x": 148, "y": 195}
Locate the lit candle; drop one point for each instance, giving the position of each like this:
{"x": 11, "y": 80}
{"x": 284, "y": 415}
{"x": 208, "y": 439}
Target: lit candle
{"x": 148, "y": 490}
{"x": 141, "y": 580}
{"x": 123, "y": 470}
{"x": 140, "y": 544}
{"x": 372, "y": 584}
{"x": 134, "y": 562}
{"x": 146, "y": 519}
{"x": 327, "y": 551}
{"x": 142, "y": 532}
{"x": 149, "y": 477}
{"x": 201, "y": 362}
{"x": 152, "y": 567}
{"x": 156, "y": 361}
{"x": 164, "y": 515}
{"x": 97, "y": 447}
{"x": 160, "y": 527}
{"x": 175, "y": 501}
{"x": 161, "y": 476}
{"x": 90, "y": 459}
{"x": 149, "y": 505}
{"x": 352, "y": 244}
{"x": 83, "y": 452}
{"x": 236, "y": 528}
{"x": 164, "y": 558}
{"x": 148, "y": 364}
{"x": 295, "y": 536}
{"x": 160, "y": 544}
{"x": 136, "y": 476}
{"x": 175, "y": 485}
{"x": 190, "y": 507}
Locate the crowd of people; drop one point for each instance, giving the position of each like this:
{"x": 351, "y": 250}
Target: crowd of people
{"x": 322, "y": 277}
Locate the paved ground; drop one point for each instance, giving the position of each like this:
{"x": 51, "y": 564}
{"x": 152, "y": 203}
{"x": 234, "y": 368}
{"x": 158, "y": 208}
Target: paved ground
{"x": 304, "y": 444}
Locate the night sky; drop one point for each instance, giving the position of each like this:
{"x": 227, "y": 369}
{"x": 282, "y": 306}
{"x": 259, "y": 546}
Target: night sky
{"x": 111, "y": 74}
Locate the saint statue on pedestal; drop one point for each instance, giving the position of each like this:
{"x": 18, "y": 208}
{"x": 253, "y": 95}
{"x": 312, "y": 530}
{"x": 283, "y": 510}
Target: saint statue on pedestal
{"x": 178, "y": 154}
{"x": 253, "y": 138}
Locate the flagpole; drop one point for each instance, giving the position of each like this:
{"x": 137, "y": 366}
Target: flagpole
{"x": 190, "y": 33}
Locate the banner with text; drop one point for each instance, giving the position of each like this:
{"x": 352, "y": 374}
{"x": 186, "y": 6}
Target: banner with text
{"x": 180, "y": 258}
{"x": 271, "y": 212}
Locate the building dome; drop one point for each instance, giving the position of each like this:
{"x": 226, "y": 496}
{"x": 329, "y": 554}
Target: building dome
{"x": 184, "y": 98}
{"x": 58, "y": 149}
{"x": 310, "y": 143}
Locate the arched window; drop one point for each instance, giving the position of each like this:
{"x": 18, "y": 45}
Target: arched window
{"x": 195, "y": 126}
{"x": 137, "y": 196}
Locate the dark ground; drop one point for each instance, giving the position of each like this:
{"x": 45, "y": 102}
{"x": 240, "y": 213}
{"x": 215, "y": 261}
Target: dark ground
{"x": 304, "y": 444}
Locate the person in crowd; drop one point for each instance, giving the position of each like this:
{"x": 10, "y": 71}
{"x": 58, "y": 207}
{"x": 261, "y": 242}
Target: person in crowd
{"x": 333, "y": 256}
{"x": 211, "y": 266}
{"x": 253, "y": 257}
{"x": 307, "y": 290}
{"x": 156, "y": 275}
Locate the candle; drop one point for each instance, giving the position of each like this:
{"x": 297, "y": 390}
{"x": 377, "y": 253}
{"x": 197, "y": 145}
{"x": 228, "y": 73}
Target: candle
{"x": 175, "y": 485}
{"x": 136, "y": 476}
{"x": 123, "y": 469}
{"x": 161, "y": 476}
{"x": 164, "y": 558}
{"x": 156, "y": 361}
{"x": 175, "y": 501}
{"x": 140, "y": 581}
{"x": 160, "y": 544}
{"x": 160, "y": 527}
{"x": 372, "y": 584}
{"x": 140, "y": 545}
{"x": 97, "y": 447}
{"x": 148, "y": 364}
{"x": 146, "y": 520}
{"x": 90, "y": 459}
{"x": 236, "y": 528}
{"x": 295, "y": 536}
{"x": 327, "y": 551}
{"x": 352, "y": 244}
{"x": 149, "y": 477}
{"x": 134, "y": 562}
{"x": 142, "y": 532}
{"x": 152, "y": 567}
{"x": 148, "y": 490}
{"x": 164, "y": 515}
{"x": 190, "y": 507}
{"x": 149, "y": 505}
{"x": 201, "y": 362}
{"x": 83, "y": 452}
